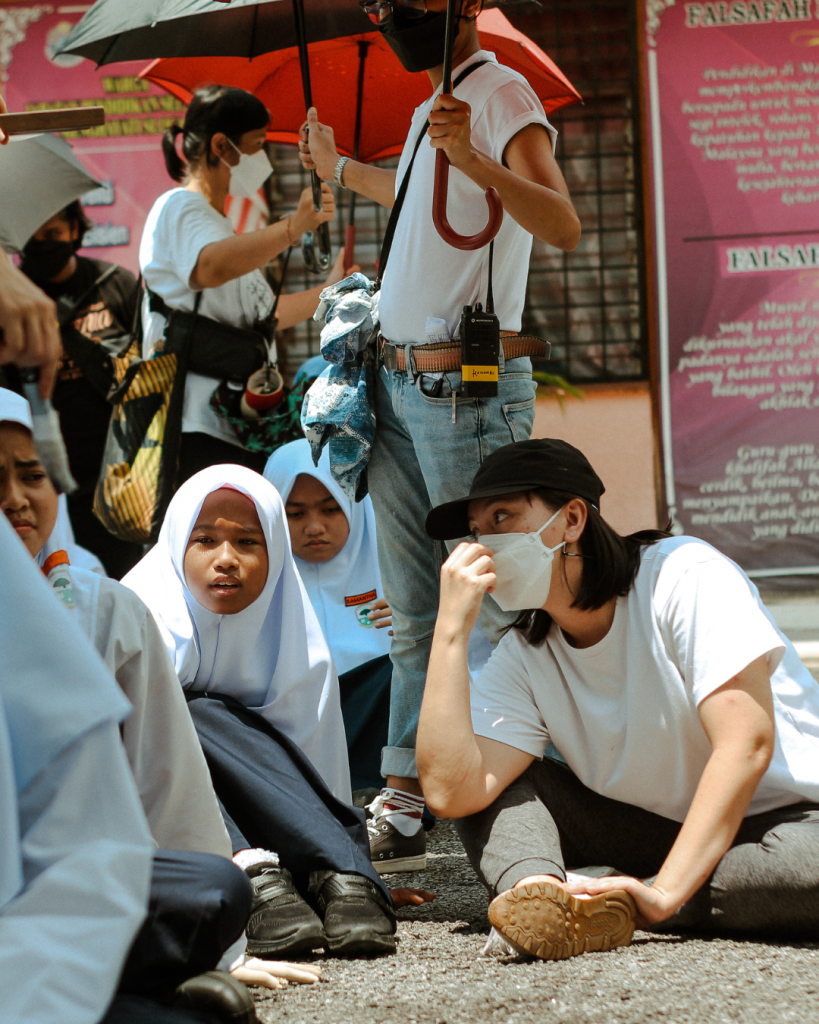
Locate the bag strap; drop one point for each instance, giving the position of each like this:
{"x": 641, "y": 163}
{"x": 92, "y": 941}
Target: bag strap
{"x": 395, "y": 213}
{"x": 77, "y": 304}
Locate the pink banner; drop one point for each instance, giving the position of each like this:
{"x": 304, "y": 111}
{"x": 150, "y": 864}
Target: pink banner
{"x": 124, "y": 154}
{"x": 733, "y": 128}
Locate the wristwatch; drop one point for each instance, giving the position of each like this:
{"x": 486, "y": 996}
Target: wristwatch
{"x": 339, "y": 171}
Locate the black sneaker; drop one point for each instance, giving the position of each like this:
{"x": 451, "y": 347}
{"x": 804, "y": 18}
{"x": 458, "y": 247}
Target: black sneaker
{"x": 280, "y": 921}
{"x": 219, "y": 995}
{"x": 390, "y": 850}
{"x": 357, "y": 917}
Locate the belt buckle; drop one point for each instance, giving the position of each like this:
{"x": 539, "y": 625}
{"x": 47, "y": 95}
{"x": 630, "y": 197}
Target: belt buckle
{"x": 389, "y": 356}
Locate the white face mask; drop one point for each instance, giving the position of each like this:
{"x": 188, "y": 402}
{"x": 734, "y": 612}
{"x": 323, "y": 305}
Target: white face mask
{"x": 523, "y": 566}
{"x": 248, "y": 176}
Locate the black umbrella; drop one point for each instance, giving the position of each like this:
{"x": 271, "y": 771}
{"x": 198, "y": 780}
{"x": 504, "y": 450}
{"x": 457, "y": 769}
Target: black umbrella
{"x": 116, "y": 30}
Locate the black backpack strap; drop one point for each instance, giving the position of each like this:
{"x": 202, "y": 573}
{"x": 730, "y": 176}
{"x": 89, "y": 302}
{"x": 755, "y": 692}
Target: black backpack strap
{"x": 395, "y": 213}
{"x": 157, "y": 304}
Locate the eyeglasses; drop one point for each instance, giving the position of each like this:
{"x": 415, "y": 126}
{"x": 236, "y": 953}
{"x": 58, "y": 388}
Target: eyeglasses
{"x": 379, "y": 10}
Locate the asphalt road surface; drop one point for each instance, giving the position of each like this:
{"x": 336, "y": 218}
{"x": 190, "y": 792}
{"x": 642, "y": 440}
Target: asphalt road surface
{"x": 438, "y": 975}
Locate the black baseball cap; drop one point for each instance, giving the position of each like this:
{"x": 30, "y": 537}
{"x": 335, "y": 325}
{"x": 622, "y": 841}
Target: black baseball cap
{"x": 543, "y": 463}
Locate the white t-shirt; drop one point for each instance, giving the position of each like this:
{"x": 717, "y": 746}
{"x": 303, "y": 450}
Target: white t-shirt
{"x": 179, "y": 226}
{"x": 623, "y": 713}
{"x": 425, "y": 276}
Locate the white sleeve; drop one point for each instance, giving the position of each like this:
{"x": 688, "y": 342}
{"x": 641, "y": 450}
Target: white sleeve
{"x": 713, "y": 626}
{"x": 509, "y": 110}
{"x": 185, "y": 227}
{"x": 160, "y": 740}
{"x": 503, "y": 703}
{"x": 86, "y": 860}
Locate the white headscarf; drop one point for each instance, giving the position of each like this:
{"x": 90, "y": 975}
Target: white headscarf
{"x": 15, "y": 408}
{"x": 271, "y": 657}
{"x": 342, "y": 589}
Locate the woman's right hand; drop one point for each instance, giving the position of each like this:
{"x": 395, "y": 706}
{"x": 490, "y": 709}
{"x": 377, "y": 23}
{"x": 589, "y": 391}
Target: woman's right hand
{"x": 306, "y": 218}
{"x": 466, "y": 576}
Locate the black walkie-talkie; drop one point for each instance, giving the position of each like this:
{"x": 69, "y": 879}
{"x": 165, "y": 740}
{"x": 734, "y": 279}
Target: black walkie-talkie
{"x": 480, "y": 349}
{"x": 480, "y": 345}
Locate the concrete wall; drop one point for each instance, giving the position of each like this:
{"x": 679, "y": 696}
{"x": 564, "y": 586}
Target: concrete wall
{"x": 612, "y": 426}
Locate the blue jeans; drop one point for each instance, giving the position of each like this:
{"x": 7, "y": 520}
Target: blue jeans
{"x": 420, "y": 459}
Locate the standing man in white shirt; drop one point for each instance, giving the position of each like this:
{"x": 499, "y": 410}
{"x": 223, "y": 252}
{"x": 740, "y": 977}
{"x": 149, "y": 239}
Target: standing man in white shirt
{"x": 430, "y": 441}
{"x": 689, "y": 726}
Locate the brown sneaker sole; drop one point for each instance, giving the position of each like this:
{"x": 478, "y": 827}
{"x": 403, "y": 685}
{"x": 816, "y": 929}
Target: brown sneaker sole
{"x": 543, "y": 920}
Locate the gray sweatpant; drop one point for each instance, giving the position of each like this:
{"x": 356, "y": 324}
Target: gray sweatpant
{"x": 767, "y": 884}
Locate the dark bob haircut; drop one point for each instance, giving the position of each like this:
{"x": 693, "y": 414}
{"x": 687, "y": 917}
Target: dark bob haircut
{"x": 213, "y": 109}
{"x": 610, "y": 563}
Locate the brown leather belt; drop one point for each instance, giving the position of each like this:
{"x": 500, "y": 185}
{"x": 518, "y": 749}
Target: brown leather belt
{"x": 445, "y": 356}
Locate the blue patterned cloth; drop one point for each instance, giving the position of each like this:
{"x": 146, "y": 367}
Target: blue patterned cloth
{"x": 337, "y": 409}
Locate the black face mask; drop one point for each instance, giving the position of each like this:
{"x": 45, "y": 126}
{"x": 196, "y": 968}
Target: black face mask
{"x": 42, "y": 261}
{"x": 417, "y": 42}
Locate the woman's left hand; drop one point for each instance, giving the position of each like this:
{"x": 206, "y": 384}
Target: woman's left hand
{"x": 653, "y": 904}
{"x": 406, "y": 897}
{"x": 381, "y": 614}
{"x": 276, "y": 973}
{"x": 306, "y": 218}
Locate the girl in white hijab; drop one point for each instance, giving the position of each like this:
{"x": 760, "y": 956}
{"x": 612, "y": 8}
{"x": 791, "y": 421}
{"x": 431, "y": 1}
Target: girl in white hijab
{"x": 159, "y": 739}
{"x": 263, "y": 693}
{"x": 334, "y": 545}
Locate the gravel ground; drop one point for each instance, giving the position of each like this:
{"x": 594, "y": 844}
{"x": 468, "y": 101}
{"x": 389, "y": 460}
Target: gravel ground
{"x": 439, "y": 977}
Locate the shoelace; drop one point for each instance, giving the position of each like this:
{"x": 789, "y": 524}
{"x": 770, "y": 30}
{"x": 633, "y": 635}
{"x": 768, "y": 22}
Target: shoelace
{"x": 379, "y": 813}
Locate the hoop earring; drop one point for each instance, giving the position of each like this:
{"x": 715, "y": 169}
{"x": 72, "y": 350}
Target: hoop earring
{"x": 570, "y": 554}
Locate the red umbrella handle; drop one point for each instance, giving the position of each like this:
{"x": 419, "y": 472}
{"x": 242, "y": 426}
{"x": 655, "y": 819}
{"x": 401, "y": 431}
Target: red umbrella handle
{"x": 349, "y": 246}
{"x": 439, "y": 199}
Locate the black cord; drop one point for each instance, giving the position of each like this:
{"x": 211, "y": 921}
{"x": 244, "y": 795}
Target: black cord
{"x": 490, "y": 298}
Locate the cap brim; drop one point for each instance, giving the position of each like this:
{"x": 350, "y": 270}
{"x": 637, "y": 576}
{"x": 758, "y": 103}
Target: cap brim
{"x": 451, "y": 520}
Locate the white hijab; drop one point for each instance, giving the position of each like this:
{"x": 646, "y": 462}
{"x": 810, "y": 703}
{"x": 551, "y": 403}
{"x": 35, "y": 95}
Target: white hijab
{"x": 272, "y": 656}
{"x": 15, "y": 409}
{"x": 342, "y": 589}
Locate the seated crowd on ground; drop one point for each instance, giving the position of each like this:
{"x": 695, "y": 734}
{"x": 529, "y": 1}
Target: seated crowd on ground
{"x": 191, "y": 753}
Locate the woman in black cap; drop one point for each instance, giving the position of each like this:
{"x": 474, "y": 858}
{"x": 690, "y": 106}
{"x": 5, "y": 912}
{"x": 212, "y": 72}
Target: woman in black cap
{"x": 689, "y": 725}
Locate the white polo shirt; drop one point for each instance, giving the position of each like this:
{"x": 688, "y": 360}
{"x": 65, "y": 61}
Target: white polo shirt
{"x": 425, "y": 276}
{"x": 623, "y": 713}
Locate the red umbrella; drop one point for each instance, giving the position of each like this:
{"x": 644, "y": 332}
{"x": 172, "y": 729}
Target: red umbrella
{"x": 387, "y": 94}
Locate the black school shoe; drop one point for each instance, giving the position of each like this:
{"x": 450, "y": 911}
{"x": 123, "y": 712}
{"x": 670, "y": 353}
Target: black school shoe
{"x": 357, "y": 918}
{"x": 281, "y": 923}
{"x": 219, "y": 995}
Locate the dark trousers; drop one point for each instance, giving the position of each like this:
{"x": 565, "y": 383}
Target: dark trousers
{"x": 271, "y": 795}
{"x": 767, "y": 884}
{"x": 365, "y": 706}
{"x": 198, "y": 907}
{"x": 198, "y": 451}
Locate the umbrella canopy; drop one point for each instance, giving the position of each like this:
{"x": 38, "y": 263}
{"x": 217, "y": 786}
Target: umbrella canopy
{"x": 40, "y": 176}
{"x": 390, "y": 93}
{"x": 115, "y": 30}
